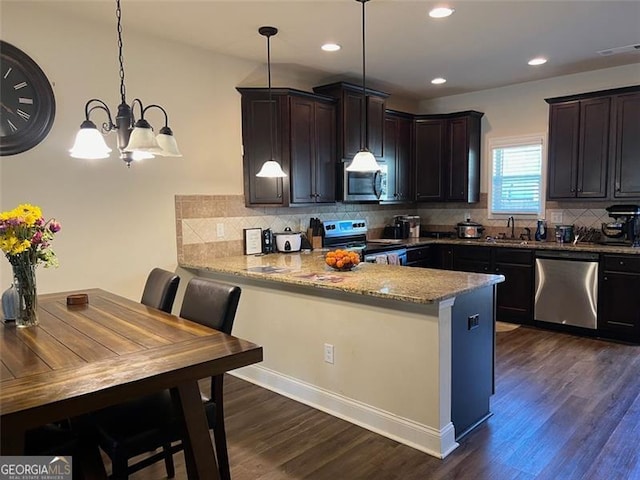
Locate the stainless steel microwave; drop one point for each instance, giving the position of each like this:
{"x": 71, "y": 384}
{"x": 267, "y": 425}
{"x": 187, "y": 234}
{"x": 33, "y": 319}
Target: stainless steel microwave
{"x": 364, "y": 186}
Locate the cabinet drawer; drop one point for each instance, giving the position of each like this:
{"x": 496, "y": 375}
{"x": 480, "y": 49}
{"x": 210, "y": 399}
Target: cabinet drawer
{"x": 622, "y": 263}
{"x": 482, "y": 254}
{"x": 512, "y": 255}
{"x": 417, "y": 254}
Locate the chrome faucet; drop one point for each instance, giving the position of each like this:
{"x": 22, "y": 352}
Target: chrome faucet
{"x": 511, "y": 223}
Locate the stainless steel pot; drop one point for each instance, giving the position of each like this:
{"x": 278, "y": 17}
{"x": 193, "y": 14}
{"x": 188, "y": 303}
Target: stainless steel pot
{"x": 469, "y": 229}
{"x": 288, "y": 241}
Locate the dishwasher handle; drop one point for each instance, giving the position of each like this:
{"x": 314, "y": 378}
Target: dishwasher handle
{"x": 568, "y": 255}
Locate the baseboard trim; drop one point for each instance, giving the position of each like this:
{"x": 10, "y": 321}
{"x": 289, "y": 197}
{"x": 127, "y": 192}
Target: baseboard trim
{"x": 437, "y": 443}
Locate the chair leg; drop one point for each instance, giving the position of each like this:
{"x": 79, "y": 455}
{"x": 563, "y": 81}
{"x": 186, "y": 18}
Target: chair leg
{"x": 168, "y": 461}
{"x": 220, "y": 438}
{"x": 120, "y": 468}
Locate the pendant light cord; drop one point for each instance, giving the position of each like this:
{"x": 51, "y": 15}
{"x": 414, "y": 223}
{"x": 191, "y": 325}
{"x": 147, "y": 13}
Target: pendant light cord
{"x": 270, "y": 105}
{"x": 120, "y": 57}
{"x": 365, "y": 121}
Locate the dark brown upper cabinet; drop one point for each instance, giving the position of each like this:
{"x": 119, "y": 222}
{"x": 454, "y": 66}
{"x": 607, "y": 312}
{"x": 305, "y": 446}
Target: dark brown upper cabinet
{"x": 447, "y": 157}
{"x": 579, "y": 148}
{"x": 304, "y": 143}
{"x": 626, "y": 110}
{"x": 398, "y": 141}
{"x": 351, "y": 136}
{"x": 594, "y": 146}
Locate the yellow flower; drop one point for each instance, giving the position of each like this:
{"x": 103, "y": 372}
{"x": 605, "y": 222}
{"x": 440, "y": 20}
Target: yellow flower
{"x": 29, "y": 212}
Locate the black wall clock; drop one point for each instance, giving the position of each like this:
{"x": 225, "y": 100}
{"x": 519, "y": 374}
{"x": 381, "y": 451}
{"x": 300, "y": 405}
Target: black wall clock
{"x": 27, "y": 104}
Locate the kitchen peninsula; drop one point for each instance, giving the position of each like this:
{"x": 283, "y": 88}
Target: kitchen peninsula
{"x": 405, "y": 352}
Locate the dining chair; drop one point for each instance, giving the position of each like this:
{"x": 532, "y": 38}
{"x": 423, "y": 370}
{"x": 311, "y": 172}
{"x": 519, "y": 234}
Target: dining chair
{"x": 160, "y": 289}
{"x": 149, "y": 423}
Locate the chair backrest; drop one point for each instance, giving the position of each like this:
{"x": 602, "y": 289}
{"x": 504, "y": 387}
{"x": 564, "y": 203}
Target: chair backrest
{"x": 160, "y": 289}
{"x": 211, "y": 303}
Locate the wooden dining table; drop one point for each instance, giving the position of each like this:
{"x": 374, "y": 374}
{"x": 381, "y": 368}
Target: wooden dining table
{"x": 82, "y": 358}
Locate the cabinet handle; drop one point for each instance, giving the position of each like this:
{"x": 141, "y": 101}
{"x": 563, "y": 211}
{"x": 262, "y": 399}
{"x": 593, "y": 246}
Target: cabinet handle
{"x": 311, "y": 195}
{"x": 572, "y": 190}
{"x": 605, "y": 278}
{"x": 621, "y": 262}
{"x": 279, "y": 195}
{"x": 618, "y": 189}
{"x": 318, "y": 195}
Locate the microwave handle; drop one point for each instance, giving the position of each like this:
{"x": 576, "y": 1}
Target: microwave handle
{"x": 377, "y": 193}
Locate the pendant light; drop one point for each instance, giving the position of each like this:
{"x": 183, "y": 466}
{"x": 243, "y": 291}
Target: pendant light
{"x": 364, "y": 161}
{"x": 136, "y": 140}
{"x": 270, "y": 168}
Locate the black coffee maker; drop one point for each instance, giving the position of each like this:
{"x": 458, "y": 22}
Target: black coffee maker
{"x": 625, "y": 230}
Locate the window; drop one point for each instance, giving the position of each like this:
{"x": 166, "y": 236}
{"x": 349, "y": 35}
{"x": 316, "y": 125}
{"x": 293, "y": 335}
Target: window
{"x": 516, "y": 183}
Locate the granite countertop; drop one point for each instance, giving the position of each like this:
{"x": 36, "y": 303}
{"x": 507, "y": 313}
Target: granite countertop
{"x": 414, "y": 285}
{"x": 532, "y": 245}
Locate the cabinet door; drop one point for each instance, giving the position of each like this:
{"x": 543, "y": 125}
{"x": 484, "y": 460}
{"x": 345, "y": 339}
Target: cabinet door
{"x": 619, "y": 305}
{"x": 403, "y": 158}
{"x": 563, "y": 149}
{"x": 325, "y": 155}
{"x": 256, "y": 140}
{"x": 593, "y": 153}
{"x": 627, "y": 146}
{"x": 515, "y": 295}
{"x": 302, "y": 150}
{"x": 391, "y": 125}
{"x": 458, "y": 161}
{"x": 472, "y": 259}
{"x": 429, "y": 158}
{"x": 375, "y": 125}
{"x": 397, "y": 156}
{"x": 352, "y": 138}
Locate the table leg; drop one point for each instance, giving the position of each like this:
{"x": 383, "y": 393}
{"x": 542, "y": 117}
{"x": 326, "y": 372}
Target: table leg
{"x": 198, "y": 450}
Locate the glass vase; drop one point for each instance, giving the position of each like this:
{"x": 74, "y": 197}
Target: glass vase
{"x": 25, "y": 276}
{"x": 10, "y": 302}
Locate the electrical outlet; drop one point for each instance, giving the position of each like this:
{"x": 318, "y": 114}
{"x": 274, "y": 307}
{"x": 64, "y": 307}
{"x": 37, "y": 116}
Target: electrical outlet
{"x": 328, "y": 353}
{"x": 556, "y": 218}
{"x": 473, "y": 321}
{"x": 220, "y": 230}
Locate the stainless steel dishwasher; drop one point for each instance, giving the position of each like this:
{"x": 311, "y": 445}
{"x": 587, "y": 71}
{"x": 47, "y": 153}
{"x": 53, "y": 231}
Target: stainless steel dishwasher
{"x": 567, "y": 288}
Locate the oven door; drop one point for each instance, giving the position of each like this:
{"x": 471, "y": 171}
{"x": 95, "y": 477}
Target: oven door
{"x": 392, "y": 257}
{"x": 364, "y": 186}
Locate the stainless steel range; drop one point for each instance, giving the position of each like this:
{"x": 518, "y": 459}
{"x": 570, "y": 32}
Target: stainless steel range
{"x": 352, "y": 235}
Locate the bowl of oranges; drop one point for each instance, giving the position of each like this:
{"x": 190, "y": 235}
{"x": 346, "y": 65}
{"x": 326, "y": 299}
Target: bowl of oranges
{"x": 343, "y": 260}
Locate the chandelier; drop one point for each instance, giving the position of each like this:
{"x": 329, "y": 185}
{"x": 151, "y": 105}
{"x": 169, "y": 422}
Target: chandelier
{"x": 135, "y": 138}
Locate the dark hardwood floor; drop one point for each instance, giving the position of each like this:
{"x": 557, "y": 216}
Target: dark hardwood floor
{"x": 565, "y": 408}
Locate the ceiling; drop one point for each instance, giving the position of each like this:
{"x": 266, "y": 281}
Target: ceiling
{"x": 484, "y": 44}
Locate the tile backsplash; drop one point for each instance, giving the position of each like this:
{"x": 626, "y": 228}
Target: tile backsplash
{"x": 210, "y": 226}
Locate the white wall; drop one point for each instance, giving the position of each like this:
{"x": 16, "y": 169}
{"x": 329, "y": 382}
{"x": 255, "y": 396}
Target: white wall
{"x": 521, "y": 109}
{"x": 118, "y": 223}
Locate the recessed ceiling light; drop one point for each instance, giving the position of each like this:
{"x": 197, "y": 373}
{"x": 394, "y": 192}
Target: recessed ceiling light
{"x": 331, "y": 47}
{"x": 441, "y": 12}
{"x": 439, "y": 81}
{"x": 537, "y": 61}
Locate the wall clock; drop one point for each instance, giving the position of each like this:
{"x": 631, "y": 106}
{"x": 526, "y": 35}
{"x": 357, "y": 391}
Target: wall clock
{"x": 27, "y": 103}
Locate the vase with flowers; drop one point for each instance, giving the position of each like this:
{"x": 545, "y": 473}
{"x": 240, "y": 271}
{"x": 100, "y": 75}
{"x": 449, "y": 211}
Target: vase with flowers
{"x": 25, "y": 239}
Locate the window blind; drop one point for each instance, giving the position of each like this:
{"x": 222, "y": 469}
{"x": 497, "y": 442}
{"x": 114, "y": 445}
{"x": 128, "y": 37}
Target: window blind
{"x": 517, "y": 179}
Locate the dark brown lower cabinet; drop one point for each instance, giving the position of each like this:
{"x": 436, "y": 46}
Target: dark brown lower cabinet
{"x": 619, "y": 297}
{"x": 420, "y": 257}
{"x": 515, "y": 294}
{"x": 514, "y": 300}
